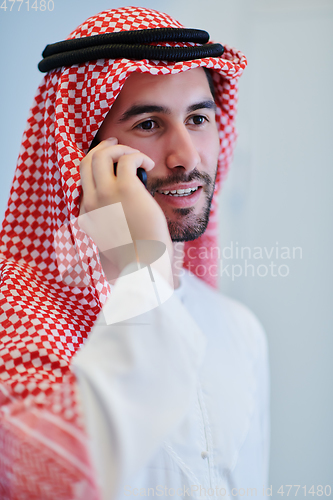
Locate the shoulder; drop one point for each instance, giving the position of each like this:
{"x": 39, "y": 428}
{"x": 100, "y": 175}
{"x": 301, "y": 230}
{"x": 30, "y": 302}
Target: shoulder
{"x": 220, "y": 316}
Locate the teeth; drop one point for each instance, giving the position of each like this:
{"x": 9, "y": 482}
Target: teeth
{"x": 179, "y": 192}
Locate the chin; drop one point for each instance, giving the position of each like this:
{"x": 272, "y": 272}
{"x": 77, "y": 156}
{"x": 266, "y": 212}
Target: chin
{"x": 186, "y": 225}
{"x": 189, "y": 229}
{"x": 184, "y": 238}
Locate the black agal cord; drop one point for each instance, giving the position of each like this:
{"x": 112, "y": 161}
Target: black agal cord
{"x": 129, "y": 45}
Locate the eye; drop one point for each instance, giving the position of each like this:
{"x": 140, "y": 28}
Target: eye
{"x": 198, "y": 119}
{"x": 146, "y": 125}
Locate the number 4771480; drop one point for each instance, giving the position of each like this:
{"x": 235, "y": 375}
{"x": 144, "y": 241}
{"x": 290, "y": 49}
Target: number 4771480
{"x": 320, "y": 491}
{"x": 42, "y": 5}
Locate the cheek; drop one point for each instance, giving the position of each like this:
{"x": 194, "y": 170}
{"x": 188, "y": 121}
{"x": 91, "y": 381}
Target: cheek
{"x": 210, "y": 149}
{"x": 147, "y": 147}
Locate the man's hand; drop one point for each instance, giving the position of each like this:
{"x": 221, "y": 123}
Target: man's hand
{"x": 101, "y": 188}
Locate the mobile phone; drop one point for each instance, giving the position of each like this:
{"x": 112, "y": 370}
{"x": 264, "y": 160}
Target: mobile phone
{"x": 141, "y": 173}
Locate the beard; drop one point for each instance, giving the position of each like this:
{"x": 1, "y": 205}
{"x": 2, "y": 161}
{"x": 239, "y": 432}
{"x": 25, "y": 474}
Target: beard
{"x": 188, "y": 226}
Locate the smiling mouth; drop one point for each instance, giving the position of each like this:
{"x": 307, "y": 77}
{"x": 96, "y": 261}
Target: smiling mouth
{"x": 178, "y": 192}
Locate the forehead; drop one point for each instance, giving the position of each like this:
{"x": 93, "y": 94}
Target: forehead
{"x": 142, "y": 88}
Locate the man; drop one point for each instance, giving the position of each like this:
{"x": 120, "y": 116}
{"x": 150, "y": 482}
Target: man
{"x": 176, "y": 130}
{"x": 169, "y": 398}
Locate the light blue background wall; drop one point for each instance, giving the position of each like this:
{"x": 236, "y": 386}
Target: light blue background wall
{"x": 278, "y": 193}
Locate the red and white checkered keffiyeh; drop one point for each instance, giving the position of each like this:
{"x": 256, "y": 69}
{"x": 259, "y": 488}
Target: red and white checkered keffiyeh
{"x": 44, "y": 320}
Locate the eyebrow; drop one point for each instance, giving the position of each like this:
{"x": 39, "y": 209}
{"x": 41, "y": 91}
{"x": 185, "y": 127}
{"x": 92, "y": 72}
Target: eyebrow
{"x": 209, "y": 104}
{"x": 140, "y": 109}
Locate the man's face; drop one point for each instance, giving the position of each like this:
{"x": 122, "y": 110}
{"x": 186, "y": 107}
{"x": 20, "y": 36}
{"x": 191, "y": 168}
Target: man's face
{"x": 171, "y": 119}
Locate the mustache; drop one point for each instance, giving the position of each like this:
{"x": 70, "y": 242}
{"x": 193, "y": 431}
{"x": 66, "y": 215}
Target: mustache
{"x": 181, "y": 177}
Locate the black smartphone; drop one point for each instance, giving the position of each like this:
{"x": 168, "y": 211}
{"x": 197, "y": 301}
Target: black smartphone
{"x": 141, "y": 173}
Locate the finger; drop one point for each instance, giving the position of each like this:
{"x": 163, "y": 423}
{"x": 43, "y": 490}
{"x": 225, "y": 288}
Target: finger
{"x": 87, "y": 180}
{"x": 97, "y": 143}
{"x": 128, "y": 165}
{"x": 102, "y": 162}
{"x": 108, "y": 141}
{"x": 85, "y": 165}
{"x": 117, "y": 149}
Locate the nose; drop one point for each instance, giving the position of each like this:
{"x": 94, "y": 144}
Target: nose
{"x": 181, "y": 149}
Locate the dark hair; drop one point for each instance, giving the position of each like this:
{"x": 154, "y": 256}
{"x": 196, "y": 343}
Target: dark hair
{"x": 210, "y": 81}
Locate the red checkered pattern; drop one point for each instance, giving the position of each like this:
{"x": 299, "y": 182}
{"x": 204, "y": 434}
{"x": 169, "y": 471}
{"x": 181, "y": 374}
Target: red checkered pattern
{"x": 52, "y": 289}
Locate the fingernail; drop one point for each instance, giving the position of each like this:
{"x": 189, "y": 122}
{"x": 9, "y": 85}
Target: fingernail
{"x": 112, "y": 139}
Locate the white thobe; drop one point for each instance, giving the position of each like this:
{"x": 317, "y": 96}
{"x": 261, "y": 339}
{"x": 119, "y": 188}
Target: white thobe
{"x": 176, "y": 400}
